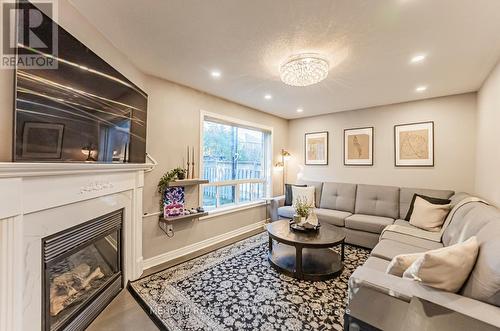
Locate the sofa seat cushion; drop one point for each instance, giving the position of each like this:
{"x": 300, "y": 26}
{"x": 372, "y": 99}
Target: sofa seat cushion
{"x": 361, "y": 238}
{"x": 410, "y": 239}
{"x": 286, "y": 211}
{"x": 388, "y": 249}
{"x": 376, "y": 263}
{"x": 368, "y": 223}
{"x": 403, "y": 223}
{"x": 330, "y": 216}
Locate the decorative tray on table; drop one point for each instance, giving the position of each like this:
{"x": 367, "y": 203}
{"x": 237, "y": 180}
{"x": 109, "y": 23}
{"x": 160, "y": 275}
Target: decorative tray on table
{"x": 304, "y": 228}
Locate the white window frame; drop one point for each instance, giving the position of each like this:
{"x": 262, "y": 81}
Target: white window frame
{"x": 267, "y": 180}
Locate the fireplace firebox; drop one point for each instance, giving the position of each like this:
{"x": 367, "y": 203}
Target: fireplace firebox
{"x": 82, "y": 272}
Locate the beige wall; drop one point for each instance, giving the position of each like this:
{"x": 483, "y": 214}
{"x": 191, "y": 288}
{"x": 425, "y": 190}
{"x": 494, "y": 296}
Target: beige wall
{"x": 174, "y": 123}
{"x": 454, "y": 120}
{"x": 488, "y": 139}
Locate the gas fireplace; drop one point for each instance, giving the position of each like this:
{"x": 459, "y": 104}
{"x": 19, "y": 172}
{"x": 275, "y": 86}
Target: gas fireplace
{"x": 82, "y": 272}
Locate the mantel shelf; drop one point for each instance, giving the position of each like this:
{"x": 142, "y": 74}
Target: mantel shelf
{"x": 24, "y": 169}
{"x": 183, "y": 217}
{"x": 186, "y": 182}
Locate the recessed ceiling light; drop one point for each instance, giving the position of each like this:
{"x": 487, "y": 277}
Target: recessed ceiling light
{"x": 268, "y": 96}
{"x": 215, "y": 74}
{"x": 421, "y": 88}
{"x": 300, "y": 110}
{"x": 418, "y": 58}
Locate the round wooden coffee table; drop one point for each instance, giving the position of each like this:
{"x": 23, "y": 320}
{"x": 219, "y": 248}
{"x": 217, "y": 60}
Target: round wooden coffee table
{"x": 306, "y": 256}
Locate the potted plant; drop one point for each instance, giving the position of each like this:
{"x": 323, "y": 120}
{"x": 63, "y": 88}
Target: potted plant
{"x": 302, "y": 210}
{"x": 177, "y": 173}
{"x": 180, "y": 172}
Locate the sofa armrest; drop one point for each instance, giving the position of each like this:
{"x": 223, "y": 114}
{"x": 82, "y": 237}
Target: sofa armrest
{"x": 405, "y": 289}
{"x": 276, "y": 202}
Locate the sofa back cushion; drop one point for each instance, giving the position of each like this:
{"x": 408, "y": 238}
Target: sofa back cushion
{"x": 338, "y": 196}
{"x": 467, "y": 221}
{"x": 318, "y": 186}
{"x": 406, "y": 195}
{"x": 377, "y": 200}
{"x": 484, "y": 281}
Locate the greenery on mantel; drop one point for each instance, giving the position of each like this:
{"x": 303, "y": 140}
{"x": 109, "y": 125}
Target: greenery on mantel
{"x": 177, "y": 173}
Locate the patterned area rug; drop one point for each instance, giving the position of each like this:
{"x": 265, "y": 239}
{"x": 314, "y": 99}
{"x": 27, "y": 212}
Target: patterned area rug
{"x": 235, "y": 288}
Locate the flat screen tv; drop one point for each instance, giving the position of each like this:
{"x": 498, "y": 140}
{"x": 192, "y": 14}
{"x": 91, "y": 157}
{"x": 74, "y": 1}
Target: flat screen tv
{"x": 81, "y": 111}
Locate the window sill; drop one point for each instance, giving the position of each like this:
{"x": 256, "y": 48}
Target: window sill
{"x": 232, "y": 209}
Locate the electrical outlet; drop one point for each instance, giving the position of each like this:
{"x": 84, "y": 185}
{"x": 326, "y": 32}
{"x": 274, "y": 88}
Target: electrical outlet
{"x": 170, "y": 228}
{"x": 167, "y": 228}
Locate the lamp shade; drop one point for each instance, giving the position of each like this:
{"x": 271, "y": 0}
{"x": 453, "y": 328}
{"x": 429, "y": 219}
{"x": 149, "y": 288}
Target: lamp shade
{"x": 285, "y": 153}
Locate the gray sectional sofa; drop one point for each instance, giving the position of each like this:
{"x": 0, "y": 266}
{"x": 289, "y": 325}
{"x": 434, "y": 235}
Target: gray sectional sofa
{"x": 408, "y": 305}
{"x": 363, "y": 211}
{"x": 380, "y": 301}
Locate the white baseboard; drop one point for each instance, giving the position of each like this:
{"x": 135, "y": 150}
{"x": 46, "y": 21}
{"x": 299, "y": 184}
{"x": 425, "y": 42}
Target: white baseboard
{"x": 169, "y": 256}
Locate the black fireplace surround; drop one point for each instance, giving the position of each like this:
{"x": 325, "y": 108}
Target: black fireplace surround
{"x": 81, "y": 272}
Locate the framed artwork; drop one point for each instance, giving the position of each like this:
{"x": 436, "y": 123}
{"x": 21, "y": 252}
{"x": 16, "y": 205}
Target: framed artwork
{"x": 316, "y": 148}
{"x": 358, "y": 146}
{"x": 414, "y": 145}
{"x": 42, "y": 140}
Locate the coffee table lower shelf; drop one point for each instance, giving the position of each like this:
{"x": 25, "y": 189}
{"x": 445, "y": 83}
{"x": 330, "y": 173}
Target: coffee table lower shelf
{"x": 312, "y": 264}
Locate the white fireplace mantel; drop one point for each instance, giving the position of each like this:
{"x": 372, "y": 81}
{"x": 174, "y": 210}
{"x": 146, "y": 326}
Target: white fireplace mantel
{"x": 18, "y": 169}
{"x": 39, "y": 199}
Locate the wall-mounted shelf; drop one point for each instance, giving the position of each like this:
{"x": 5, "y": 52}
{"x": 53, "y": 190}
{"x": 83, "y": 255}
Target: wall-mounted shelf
{"x": 183, "y": 217}
{"x": 186, "y": 182}
{"x": 165, "y": 223}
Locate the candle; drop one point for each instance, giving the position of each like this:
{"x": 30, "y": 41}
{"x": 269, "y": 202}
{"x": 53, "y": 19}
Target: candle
{"x": 192, "y": 164}
{"x": 188, "y": 163}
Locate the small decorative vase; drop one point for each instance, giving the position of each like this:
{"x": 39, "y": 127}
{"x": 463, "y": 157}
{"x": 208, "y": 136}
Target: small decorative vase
{"x": 181, "y": 176}
{"x": 296, "y": 219}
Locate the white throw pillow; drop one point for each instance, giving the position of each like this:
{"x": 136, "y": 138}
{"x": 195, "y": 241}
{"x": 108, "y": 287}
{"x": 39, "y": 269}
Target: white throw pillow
{"x": 401, "y": 262}
{"x": 428, "y": 216}
{"x": 445, "y": 268}
{"x": 304, "y": 194}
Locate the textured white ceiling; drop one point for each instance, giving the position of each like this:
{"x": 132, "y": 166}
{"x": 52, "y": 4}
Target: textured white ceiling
{"x": 369, "y": 44}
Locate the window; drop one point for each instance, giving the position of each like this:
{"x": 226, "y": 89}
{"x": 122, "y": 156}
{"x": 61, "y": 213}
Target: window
{"x": 235, "y": 160}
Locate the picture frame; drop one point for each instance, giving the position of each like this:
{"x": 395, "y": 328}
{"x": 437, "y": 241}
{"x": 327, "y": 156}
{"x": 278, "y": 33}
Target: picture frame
{"x": 42, "y": 141}
{"x": 358, "y": 146}
{"x": 414, "y": 144}
{"x": 316, "y": 148}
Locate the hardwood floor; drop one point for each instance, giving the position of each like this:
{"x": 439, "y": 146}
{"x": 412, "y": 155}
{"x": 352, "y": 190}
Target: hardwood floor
{"x": 124, "y": 313}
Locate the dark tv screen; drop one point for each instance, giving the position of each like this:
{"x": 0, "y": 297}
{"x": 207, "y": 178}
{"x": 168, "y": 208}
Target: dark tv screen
{"x": 81, "y": 111}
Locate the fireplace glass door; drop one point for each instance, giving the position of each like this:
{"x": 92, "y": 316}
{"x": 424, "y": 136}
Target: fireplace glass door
{"x": 79, "y": 267}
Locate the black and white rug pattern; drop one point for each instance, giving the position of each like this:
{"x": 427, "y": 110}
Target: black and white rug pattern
{"x": 235, "y": 288}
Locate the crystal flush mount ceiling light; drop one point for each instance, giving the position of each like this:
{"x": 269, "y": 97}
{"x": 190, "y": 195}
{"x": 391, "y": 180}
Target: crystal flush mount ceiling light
{"x": 304, "y": 70}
